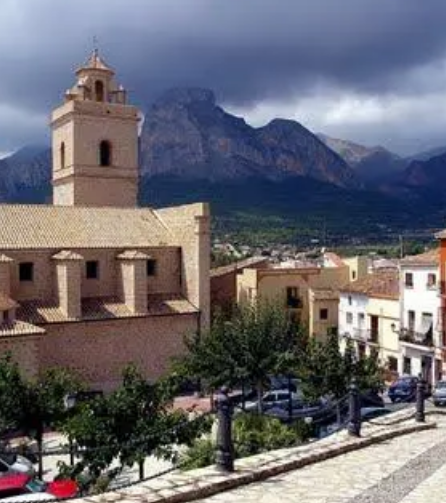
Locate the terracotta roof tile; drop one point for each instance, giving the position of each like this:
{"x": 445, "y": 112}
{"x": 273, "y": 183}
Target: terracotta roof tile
{"x": 67, "y": 255}
{"x": 431, "y": 257}
{"x": 47, "y": 226}
{"x": 380, "y": 284}
{"x": 336, "y": 259}
{"x": 19, "y": 328}
{"x": 133, "y": 255}
{"x": 237, "y": 266}
{"x": 103, "y": 308}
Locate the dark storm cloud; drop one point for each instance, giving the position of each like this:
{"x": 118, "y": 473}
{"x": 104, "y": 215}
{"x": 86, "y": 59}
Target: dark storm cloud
{"x": 247, "y": 51}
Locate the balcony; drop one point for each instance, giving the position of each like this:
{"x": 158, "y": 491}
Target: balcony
{"x": 294, "y": 303}
{"x": 362, "y": 334}
{"x": 418, "y": 338}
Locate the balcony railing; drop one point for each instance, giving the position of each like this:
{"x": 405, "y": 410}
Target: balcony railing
{"x": 413, "y": 337}
{"x": 361, "y": 333}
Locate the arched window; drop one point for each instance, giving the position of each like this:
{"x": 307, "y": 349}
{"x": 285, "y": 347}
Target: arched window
{"x": 105, "y": 153}
{"x": 62, "y": 155}
{"x": 99, "y": 90}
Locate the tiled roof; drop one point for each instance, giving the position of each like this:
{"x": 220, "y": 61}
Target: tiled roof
{"x": 133, "y": 255}
{"x": 6, "y": 302}
{"x": 68, "y": 255}
{"x": 380, "y": 284}
{"x": 237, "y": 266}
{"x": 431, "y": 257}
{"x": 95, "y": 61}
{"x": 336, "y": 259}
{"x": 19, "y": 328}
{"x": 103, "y": 308}
{"x": 47, "y": 226}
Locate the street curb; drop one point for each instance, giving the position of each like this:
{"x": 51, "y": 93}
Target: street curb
{"x": 201, "y": 487}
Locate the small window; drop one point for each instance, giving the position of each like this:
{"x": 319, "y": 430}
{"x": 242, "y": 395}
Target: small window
{"x": 411, "y": 320}
{"x": 26, "y": 271}
{"x": 151, "y": 267}
{"x": 353, "y": 275}
{"x": 292, "y": 297}
{"x": 105, "y": 153}
{"x": 62, "y": 155}
{"x": 92, "y": 269}
{"x": 6, "y": 317}
{"x": 408, "y": 280}
{"x": 431, "y": 280}
{"x": 349, "y": 300}
{"x": 323, "y": 314}
{"x": 349, "y": 318}
{"x": 99, "y": 90}
{"x": 392, "y": 363}
{"x": 407, "y": 365}
{"x": 361, "y": 317}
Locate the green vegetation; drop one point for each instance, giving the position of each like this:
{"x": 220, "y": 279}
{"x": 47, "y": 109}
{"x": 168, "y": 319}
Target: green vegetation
{"x": 252, "y": 434}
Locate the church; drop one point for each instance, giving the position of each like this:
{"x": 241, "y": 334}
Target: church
{"x": 93, "y": 282}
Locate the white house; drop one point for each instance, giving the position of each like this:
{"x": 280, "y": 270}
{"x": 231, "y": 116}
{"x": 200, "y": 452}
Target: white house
{"x": 420, "y": 316}
{"x": 369, "y": 316}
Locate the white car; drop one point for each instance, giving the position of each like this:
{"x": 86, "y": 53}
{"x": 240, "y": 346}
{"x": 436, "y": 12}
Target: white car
{"x": 15, "y": 463}
{"x": 274, "y": 398}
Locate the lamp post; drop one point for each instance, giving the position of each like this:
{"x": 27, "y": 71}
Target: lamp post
{"x": 70, "y": 402}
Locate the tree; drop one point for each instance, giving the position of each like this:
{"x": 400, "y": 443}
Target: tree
{"x": 32, "y": 405}
{"x": 259, "y": 340}
{"x": 133, "y": 422}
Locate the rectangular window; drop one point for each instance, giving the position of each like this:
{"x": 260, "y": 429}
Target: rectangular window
{"x": 411, "y": 320}
{"x": 353, "y": 275}
{"x": 407, "y": 366}
{"x": 323, "y": 314}
{"x": 92, "y": 269}
{"x": 361, "y": 318}
{"x": 6, "y": 317}
{"x": 151, "y": 267}
{"x": 349, "y": 318}
{"x": 408, "y": 280}
{"x": 26, "y": 271}
{"x": 431, "y": 280}
{"x": 392, "y": 363}
{"x": 292, "y": 297}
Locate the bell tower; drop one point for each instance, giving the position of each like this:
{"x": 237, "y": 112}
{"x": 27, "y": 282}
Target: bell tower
{"x": 95, "y": 141}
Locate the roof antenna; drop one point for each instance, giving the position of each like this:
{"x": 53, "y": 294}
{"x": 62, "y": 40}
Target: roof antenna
{"x": 95, "y": 46}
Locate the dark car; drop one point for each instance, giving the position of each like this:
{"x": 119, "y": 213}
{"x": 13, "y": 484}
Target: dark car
{"x": 403, "y": 389}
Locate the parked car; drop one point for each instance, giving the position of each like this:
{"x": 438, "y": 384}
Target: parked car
{"x": 403, "y": 389}
{"x": 274, "y": 398}
{"x": 11, "y": 463}
{"x": 439, "y": 393}
{"x": 21, "y": 487}
{"x": 299, "y": 410}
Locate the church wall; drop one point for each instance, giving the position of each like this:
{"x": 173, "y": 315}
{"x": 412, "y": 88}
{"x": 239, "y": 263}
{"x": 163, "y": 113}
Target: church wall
{"x": 24, "y": 350}
{"x": 191, "y": 227}
{"x": 44, "y": 286}
{"x": 116, "y": 192}
{"x": 99, "y": 350}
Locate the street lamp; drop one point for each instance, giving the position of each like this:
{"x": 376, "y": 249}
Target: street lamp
{"x": 69, "y": 403}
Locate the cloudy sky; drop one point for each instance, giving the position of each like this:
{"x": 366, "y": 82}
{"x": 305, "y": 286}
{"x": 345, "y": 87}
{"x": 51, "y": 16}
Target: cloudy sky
{"x": 373, "y": 71}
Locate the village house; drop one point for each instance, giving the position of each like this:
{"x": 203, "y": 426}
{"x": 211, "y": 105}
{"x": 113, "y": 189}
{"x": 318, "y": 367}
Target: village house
{"x": 93, "y": 282}
{"x": 420, "y": 314}
{"x": 369, "y": 317}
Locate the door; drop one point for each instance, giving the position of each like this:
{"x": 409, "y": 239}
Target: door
{"x": 374, "y": 328}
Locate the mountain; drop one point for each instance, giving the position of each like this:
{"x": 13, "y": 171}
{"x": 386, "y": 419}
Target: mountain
{"x": 428, "y": 154}
{"x": 25, "y": 175}
{"x": 372, "y": 165}
{"x": 187, "y": 134}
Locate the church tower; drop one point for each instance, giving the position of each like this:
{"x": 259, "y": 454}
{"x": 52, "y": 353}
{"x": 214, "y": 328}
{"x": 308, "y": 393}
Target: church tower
{"x": 95, "y": 141}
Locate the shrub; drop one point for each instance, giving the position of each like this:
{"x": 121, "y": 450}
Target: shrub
{"x": 199, "y": 455}
{"x": 254, "y": 433}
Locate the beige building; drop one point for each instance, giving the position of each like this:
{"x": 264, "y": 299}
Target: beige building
{"x": 93, "y": 282}
{"x": 369, "y": 315}
{"x": 310, "y": 292}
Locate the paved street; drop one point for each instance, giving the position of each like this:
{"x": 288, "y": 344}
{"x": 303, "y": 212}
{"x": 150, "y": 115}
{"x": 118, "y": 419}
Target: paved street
{"x": 407, "y": 469}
